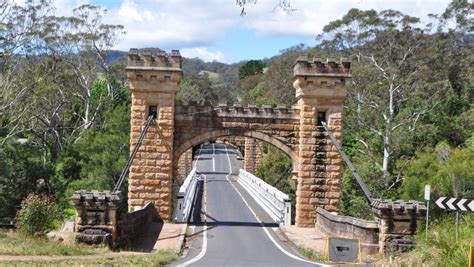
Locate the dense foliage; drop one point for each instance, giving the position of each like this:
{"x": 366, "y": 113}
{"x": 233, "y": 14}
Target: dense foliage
{"x": 275, "y": 169}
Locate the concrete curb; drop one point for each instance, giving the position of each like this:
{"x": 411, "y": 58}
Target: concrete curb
{"x": 182, "y": 235}
{"x": 284, "y": 238}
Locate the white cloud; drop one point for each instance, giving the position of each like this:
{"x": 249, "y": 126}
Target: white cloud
{"x": 310, "y": 16}
{"x": 173, "y": 24}
{"x": 195, "y": 26}
{"x": 203, "y": 53}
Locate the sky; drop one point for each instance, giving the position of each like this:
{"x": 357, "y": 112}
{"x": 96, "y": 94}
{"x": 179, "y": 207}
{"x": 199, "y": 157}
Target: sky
{"x": 214, "y": 29}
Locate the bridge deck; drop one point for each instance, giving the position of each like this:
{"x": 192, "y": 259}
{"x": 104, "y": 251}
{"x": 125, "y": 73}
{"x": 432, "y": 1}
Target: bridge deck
{"x": 226, "y": 229}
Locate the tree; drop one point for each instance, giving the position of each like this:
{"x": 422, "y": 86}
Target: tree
{"x": 449, "y": 171}
{"x": 56, "y": 68}
{"x": 283, "y": 4}
{"x": 276, "y": 170}
{"x": 251, "y": 67}
{"x": 392, "y": 89}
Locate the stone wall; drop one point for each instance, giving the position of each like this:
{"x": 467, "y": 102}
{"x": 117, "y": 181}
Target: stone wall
{"x": 336, "y": 225}
{"x": 397, "y": 222}
{"x": 134, "y": 224}
{"x": 99, "y": 223}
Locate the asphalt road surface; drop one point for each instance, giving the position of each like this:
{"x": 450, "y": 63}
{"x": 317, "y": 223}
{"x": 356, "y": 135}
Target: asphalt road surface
{"x": 226, "y": 231}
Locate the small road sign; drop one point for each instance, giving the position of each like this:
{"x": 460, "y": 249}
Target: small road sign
{"x": 342, "y": 250}
{"x": 427, "y": 192}
{"x": 459, "y": 204}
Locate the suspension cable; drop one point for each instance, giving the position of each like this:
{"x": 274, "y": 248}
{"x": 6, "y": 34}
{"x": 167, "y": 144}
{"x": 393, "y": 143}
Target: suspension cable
{"x": 349, "y": 164}
{"x": 134, "y": 153}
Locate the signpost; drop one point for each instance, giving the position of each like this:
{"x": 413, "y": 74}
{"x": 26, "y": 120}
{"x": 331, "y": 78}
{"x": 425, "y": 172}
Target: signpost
{"x": 342, "y": 250}
{"x": 471, "y": 255}
{"x": 457, "y": 204}
{"x": 427, "y": 198}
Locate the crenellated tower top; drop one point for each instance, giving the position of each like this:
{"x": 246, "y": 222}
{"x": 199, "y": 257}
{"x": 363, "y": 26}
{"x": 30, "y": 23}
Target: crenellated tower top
{"x": 148, "y": 67}
{"x": 315, "y": 78}
{"x": 144, "y": 59}
{"x": 316, "y": 67}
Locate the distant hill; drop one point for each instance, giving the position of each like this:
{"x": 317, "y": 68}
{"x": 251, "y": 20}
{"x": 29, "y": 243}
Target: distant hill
{"x": 219, "y": 73}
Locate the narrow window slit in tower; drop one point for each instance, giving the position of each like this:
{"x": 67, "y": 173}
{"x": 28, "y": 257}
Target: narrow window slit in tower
{"x": 153, "y": 110}
{"x": 321, "y": 118}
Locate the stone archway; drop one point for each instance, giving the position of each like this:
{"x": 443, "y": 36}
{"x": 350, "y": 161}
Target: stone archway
{"x": 320, "y": 91}
{"x": 202, "y": 138}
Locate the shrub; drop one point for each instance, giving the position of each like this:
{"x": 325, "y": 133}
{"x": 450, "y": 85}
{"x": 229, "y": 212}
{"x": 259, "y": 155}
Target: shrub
{"x": 38, "y": 215}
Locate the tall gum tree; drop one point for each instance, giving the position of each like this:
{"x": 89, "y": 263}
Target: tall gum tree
{"x": 389, "y": 93}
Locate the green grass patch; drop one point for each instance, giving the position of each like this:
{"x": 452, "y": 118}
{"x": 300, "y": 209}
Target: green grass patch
{"x": 213, "y": 76}
{"x": 311, "y": 254}
{"x": 14, "y": 243}
{"x": 153, "y": 259}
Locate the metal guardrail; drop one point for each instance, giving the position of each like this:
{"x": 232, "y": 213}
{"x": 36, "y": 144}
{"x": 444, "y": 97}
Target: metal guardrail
{"x": 276, "y": 203}
{"x": 185, "y": 197}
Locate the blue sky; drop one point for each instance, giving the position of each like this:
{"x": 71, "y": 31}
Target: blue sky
{"x": 214, "y": 29}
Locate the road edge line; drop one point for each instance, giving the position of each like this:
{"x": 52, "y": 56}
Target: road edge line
{"x": 258, "y": 219}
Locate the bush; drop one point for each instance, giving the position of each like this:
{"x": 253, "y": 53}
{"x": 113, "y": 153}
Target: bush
{"x": 38, "y": 215}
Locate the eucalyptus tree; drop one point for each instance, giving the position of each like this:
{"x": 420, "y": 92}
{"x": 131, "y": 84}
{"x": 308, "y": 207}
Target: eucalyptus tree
{"x": 19, "y": 41}
{"x": 392, "y": 85}
{"x": 51, "y": 67}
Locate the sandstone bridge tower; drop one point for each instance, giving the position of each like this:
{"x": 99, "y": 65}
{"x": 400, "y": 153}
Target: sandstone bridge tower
{"x": 320, "y": 90}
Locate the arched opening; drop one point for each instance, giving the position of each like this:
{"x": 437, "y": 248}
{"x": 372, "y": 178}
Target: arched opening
{"x": 213, "y": 135}
{"x": 278, "y": 175}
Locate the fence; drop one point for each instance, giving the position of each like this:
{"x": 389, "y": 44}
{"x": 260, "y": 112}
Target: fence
{"x": 276, "y": 203}
{"x": 185, "y": 197}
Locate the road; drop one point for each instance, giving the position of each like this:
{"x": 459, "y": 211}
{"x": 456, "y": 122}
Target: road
{"x": 226, "y": 229}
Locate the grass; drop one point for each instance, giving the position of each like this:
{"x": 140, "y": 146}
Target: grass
{"x": 441, "y": 248}
{"x": 153, "y": 259}
{"x": 13, "y": 243}
{"x": 311, "y": 254}
{"x": 213, "y": 76}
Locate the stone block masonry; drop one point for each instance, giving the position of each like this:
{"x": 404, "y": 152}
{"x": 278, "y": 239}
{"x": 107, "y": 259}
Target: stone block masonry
{"x": 320, "y": 90}
{"x": 99, "y": 223}
{"x": 253, "y": 154}
{"x": 154, "y": 80}
{"x": 166, "y": 151}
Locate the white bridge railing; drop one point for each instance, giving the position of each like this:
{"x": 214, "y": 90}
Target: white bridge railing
{"x": 185, "y": 197}
{"x": 274, "y": 202}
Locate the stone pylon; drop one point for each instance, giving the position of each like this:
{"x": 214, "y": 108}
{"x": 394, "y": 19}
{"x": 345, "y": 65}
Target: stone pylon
{"x": 253, "y": 154}
{"x": 320, "y": 92}
{"x": 185, "y": 164}
{"x": 154, "y": 78}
